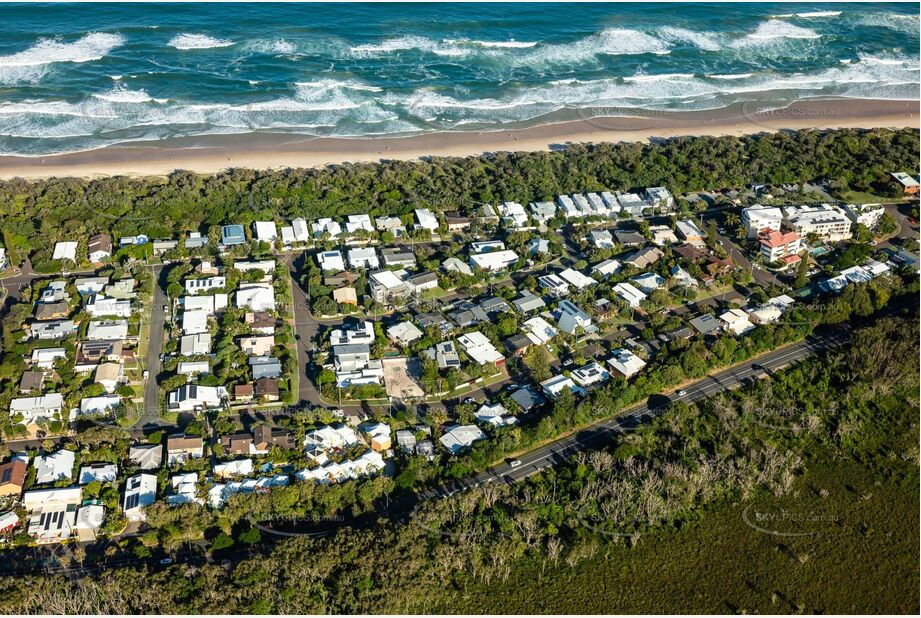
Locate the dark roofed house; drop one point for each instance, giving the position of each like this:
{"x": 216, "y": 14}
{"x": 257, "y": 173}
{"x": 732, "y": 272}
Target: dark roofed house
{"x": 237, "y": 444}
{"x": 705, "y": 324}
{"x": 31, "y": 381}
{"x": 266, "y": 388}
{"x": 494, "y": 305}
{"x": 517, "y": 344}
{"x": 629, "y": 238}
{"x": 98, "y": 247}
{"x": 456, "y": 222}
{"x": 398, "y": 256}
{"x": 51, "y": 311}
{"x": 425, "y": 320}
{"x": 265, "y": 437}
{"x": 261, "y": 322}
{"x": 690, "y": 252}
{"x": 528, "y": 398}
{"x": 716, "y": 267}
{"x": 146, "y": 456}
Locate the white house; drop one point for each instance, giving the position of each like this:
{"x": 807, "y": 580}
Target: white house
{"x": 44, "y": 358}
{"x": 572, "y": 318}
{"x": 265, "y": 231}
{"x": 365, "y": 257}
{"x": 102, "y": 472}
{"x": 98, "y": 306}
{"x": 404, "y": 333}
{"x": 824, "y": 220}
{"x": 513, "y": 214}
{"x": 459, "y": 437}
{"x": 494, "y": 261}
{"x": 590, "y": 374}
{"x": 34, "y": 409}
{"x": 648, "y": 282}
{"x": 607, "y": 267}
{"x": 140, "y": 491}
{"x": 98, "y": 405}
{"x": 426, "y": 220}
{"x": 864, "y": 214}
{"x": 331, "y": 261}
{"x": 256, "y": 296}
{"x": 52, "y": 512}
{"x": 326, "y": 226}
{"x": 65, "y": 251}
{"x": 557, "y": 384}
{"x": 629, "y": 294}
{"x": 495, "y": 414}
{"x": 190, "y": 397}
{"x": 106, "y": 330}
{"x": 736, "y": 321}
{"x": 356, "y": 223}
{"x": 57, "y": 466}
{"x": 625, "y": 362}
{"x": 479, "y": 348}
{"x": 538, "y": 330}
{"x": 301, "y": 231}
{"x": 577, "y": 279}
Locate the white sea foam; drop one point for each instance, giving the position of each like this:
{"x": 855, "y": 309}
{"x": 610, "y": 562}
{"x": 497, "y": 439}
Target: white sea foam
{"x": 186, "y": 41}
{"x": 810, "y": 14}
{"x": 122, "y": 94}
{"x": 277, "y": 46}
{"x": 89, "y": 47}
{"x": 658, "y": 78}
{"x": 707, "y": 41}
{"x": 773, "y": 32}
{"x": 492, "y": 44}
{"x": 409, "y": 42}
{"x": 732, "y": 76}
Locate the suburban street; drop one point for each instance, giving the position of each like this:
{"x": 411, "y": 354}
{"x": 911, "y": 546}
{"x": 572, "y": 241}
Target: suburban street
{"x": 150, "y": 415}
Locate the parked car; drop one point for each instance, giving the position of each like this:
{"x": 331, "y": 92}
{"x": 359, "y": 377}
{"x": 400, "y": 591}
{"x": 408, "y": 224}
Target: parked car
{"x": 514, "y": 463}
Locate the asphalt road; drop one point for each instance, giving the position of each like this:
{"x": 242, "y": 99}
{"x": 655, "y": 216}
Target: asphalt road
{"x": 150, "y": 415}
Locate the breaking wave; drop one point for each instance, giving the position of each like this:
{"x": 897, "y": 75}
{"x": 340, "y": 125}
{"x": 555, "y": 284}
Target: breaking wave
{"x": 197, "y": 41}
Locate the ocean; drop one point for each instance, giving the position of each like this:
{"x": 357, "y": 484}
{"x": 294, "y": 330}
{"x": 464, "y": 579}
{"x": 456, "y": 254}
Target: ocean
{"x": 78, "y": 77}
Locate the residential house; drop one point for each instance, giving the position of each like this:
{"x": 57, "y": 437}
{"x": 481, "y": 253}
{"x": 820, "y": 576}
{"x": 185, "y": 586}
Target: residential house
{"x": 589, "y": 375}
{"x": 387, "y": 287}
{"x": 494, "y": 261}
{"x": 421, "y": 282}
{"x": 101, "y": 472}
{"x": 256, "y": 345}
{"x": 404, "y": 333}
{"x": 331, "y": 261}
{"x": 56, "y": 329}
{"x": 260, "y": 322}
{"x": 345, "y": 296}
{"x": 909, "y": 184}
{"x": 528, "y": 302}
{"x": 606, "y": 268}
{"x": 689, "y": 231}
{"x": 392, "y": 225}
{"x": 44, "y": 358}
{"x": 52, "y": 311}
{"x": 398, "y": 256}
{"x": 495, "y": 415}
{"x": 426, "y": 220}
{"x": 446, "y": 356}
{"x": 513, "y": 215}
{"x": 12, "y": 478}
{"x": 207, "y": 284}
{"x": 625, "y": 362}
{"x": 528, "y": 398}
{"x": 542, "y": 211}
{"x": 536, "y": 246}
{"x": 577, "y": 279}
{"x": 706, "y": 324}
{"x": 265, "y": 367}
{"x": 648, "y": 282}
{"x": 326, "y": 227}
{"x": 572, "y": 318}
{"x": 629, "y": 238}
{"x": 109, "y": 375}
{"x": 480, "y": 349}
{"x": 146, "y": 456}
{"x": 233, "y": 235}
{"x": 65, "y": 251}
{"x": 554, "y": 386}
{"x": 538, "y": 330}
{"x": 195, "y": 345}
{"x": 256, "y": 296}
{"x": 52, "y": 513}
{"x": 33, "y": 409}
{"x": 31, "y": 382}
{"x": 736, "y": 321}
{"x": 140, "y": 492}
{"x": 193, "y": 368}
{"x": 191, "y": 397}
{"x": 458, "y": 438}
{"x": 456, "y": 223}
{"x": 662, "y": 235}
{"x": 644, "y": 258}
{"x": 554, "y": 285}
{"x": 180, "y": 448}
{"x": 378, "y": 435}
{"x": 99, "y": 247}
{"x": 266, "y": 389}
{"x": 456, "y": 265}
{"x": 365, "y": 257}
{"x": 54, "y": 467}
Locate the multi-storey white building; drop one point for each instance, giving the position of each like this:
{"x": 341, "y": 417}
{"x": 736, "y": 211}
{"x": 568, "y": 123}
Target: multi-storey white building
{"x": 824, "y": 220}
{"x": 758, "y": 218}
{"x": 864, "y": 214}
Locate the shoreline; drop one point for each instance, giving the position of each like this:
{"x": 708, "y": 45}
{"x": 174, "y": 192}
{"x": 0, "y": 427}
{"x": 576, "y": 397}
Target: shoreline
{"x": 267, "y": 151}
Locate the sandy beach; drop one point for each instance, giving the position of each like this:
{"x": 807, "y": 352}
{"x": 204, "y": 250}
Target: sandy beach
{"x": 211, "y": 154}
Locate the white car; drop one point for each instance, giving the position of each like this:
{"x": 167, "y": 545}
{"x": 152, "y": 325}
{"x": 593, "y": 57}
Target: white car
{"x": 514, "y": 463}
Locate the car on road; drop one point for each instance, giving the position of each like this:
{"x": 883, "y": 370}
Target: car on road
{"x": 469, "y": 400}
{"x": 166, "y": 561}
{"x": 146, "y": 374}
{"x": 681, "y": 392}
{"x": 514, "y": 463}
{"x": 758, "y": 367}
{"x": 165, "y": 308}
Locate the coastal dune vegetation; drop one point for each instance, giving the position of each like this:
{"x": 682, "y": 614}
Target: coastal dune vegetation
{"x": 36, "y": 214}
